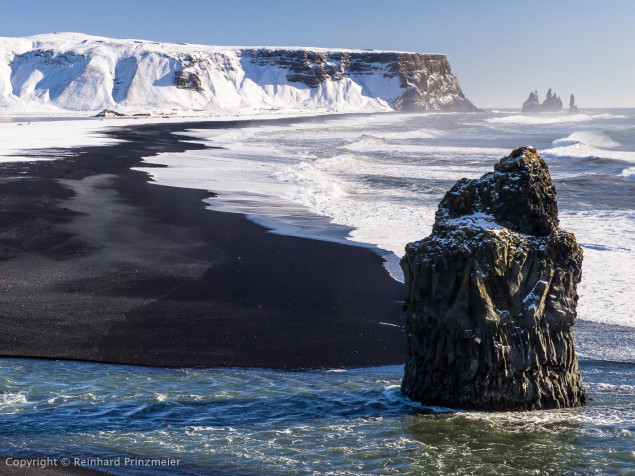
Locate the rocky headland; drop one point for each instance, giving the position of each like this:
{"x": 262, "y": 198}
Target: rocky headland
{"x": 491, "y": 296}
{"x": 76, "y": 72}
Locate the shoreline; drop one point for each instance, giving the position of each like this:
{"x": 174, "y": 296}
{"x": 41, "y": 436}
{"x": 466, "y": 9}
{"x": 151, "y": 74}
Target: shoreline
{"x": 101, "y": 264}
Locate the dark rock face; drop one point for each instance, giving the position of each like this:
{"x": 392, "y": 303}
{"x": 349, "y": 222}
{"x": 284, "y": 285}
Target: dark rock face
{"x": 551, "y": 104}
{"x": 491, "y": 296}
{"x": 426, "y": 79}
{"x": 188, "y": 80}
{"x": 572, "y": 106}
{"x": 109, "y": 113}
{"x": 532, "y": 104}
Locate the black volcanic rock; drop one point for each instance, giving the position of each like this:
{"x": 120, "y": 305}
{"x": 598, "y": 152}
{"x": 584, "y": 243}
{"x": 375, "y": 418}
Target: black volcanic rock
{"x": 491, "y": 296}
{"x": 109, "y": 113}
{"x": 188, "y": 80}
{"x": 532, "y": 104}
{"x": 427, "y": 78}
{"x": 572, "y": 107}
{"x": 552, "y": 103}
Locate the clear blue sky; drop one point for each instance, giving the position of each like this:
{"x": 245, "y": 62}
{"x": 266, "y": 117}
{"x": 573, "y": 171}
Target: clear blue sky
{"x": 499, "y": 49}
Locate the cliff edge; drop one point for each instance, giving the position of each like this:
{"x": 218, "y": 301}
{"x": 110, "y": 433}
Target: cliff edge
{"x": 77, "y": 72}
{"x": 491, "y": 296}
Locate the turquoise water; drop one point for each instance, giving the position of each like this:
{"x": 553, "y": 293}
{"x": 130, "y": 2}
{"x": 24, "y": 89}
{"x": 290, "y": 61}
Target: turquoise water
{"x": 319, "y": 422}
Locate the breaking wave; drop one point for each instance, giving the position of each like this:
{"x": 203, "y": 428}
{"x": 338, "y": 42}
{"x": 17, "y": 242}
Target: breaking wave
{"x": 555, "y": 118}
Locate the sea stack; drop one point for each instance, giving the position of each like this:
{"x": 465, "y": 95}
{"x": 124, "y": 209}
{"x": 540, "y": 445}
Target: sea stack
{"x": 572, "y": 107}
{"x": 552, "y": 103}
{"x": 532, "y": 104}
{"x": 491, "y": 296}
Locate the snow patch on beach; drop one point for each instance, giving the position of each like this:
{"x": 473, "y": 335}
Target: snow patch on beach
{"x": 45, "y": 138}
{"x": 41, "y": 140}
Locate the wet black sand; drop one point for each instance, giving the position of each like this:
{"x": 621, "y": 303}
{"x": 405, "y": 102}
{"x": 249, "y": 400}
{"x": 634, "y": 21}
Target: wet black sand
{"x": 97, "y": 263}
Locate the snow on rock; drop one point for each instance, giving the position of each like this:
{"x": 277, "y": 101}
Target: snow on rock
{"x": 76, "y": 72}
{"x": 490, "y": 312}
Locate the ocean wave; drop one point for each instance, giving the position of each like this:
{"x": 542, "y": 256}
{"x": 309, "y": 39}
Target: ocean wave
{"x": 629, "y": 172}
{"x": 368, "y": 144}
{"x": 12, "y": 402}
{"x": 590, "y": 138}
{"x": 404, "y": 135}
{"x": 385, "y": 193}
{"x": 583, "y": 151}
{"x": 556, "y": 118}
{"x": 612, "y": 388}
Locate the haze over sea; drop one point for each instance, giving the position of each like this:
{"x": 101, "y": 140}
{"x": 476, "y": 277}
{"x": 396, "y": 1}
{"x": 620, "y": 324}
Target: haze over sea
{"x": 372, "y": 180}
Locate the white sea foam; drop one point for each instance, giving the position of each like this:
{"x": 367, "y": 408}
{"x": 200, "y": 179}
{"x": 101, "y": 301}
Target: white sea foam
{"x": 546, "y": 118}
{"x": 629, "y": 172}
{"x": 583, "y": 150}
{"x": 366, "y": 173}
{"x": 585, "y": 144}
{"x": 529, "y": 119}
{"x": 606, "y": 290}
{"x": 594, "y": 139}
{"x": 370, "y": 143}
{"x": 12, "y": 402}
{"x": 268, "y": 180}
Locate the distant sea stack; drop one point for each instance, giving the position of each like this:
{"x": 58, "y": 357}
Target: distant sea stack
{"x": 552, "y": 103}
{"x": 491, "y": 296}
{"x": 572, "y": 107}
{"x": 71, "y": 71}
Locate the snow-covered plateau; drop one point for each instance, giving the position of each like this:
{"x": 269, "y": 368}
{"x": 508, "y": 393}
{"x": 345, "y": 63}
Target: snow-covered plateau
{"x": 75, "y": 73}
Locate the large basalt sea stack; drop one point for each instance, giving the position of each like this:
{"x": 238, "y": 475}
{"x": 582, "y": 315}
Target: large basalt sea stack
{"x": 491, "y": 296}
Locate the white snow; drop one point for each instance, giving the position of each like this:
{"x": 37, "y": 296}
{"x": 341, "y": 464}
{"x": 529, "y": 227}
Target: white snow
{"x": 42, "y": 139}
{"x": 475, "y": 220}
{"x": 64, "y": 72}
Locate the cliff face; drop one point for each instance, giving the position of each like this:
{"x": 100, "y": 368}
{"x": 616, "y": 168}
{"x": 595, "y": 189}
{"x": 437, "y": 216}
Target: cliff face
{"x": 491, "y": 296}
{"x": 79, "y": 72}
{"x": 411, "y": 81}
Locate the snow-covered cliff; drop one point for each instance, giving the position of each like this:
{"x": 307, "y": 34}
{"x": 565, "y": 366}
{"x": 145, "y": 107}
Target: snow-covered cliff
{"x": 75, "y": 72}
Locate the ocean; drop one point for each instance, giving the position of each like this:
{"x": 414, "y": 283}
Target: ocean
{"x": 374, "y": 181}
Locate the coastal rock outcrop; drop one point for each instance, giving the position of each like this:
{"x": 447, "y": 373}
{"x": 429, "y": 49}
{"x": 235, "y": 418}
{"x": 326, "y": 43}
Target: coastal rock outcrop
{"x": 572, "y": 107}
{"x": 109, "y": 113}
{"x": 552, "y": 103}
{"x": 532, "y": 104}
{"x": 491, "y": 296}
{"x": 423, "y": 81}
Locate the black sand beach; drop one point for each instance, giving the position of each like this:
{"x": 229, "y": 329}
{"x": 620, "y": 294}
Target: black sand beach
{"x": 100, "y": 264}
